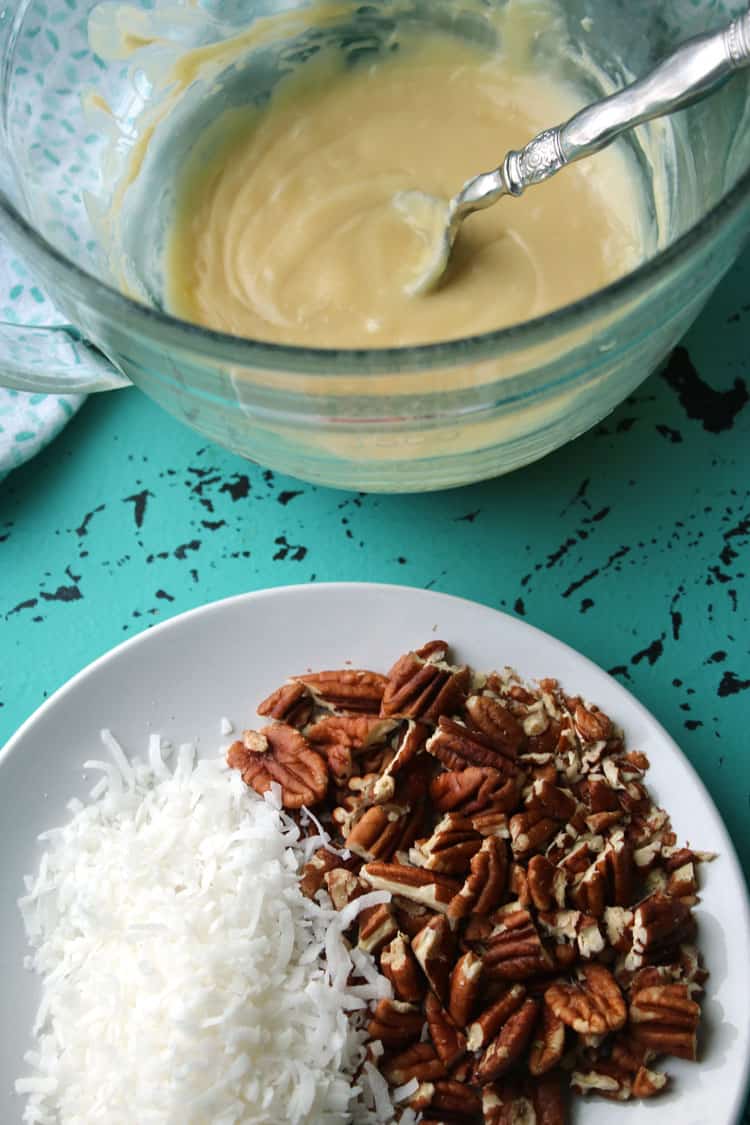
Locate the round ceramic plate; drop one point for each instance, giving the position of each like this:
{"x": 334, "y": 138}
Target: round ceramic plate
{"x": 182, "y": 677}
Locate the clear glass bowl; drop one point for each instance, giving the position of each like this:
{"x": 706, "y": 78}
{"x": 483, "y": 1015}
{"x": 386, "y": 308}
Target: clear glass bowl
{"x": 403, "y": 420}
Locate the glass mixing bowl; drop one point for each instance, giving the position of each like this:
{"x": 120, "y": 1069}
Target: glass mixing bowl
{"x": 407, "y": 419}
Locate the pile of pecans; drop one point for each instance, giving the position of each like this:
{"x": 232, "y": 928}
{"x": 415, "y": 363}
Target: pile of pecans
{"x": 539, "y": 934}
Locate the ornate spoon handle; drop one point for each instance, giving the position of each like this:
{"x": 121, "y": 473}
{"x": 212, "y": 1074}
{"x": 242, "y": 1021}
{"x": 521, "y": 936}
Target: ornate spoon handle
{"x": 693, "y": 70}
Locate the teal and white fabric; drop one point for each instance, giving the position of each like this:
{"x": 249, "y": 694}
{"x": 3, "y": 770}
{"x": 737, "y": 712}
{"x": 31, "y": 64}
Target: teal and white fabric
{"x": 28, "y": 422}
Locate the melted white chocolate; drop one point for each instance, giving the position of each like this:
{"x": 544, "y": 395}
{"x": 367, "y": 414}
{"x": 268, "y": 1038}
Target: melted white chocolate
{"x": 285, "y": 228}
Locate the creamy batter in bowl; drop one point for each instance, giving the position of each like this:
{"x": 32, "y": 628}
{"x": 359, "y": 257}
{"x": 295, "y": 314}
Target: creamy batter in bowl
{"x": 391, "y": 419}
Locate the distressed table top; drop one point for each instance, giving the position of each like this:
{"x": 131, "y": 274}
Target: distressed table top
{"x": 631, "y": 544}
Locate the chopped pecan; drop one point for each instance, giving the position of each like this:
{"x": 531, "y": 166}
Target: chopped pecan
{"x": 604, "y": 1078}
{"x": 395, "y": 1023}
{"x": 591, "y": 724}
{"x": 419, "y": 1061}
{"x": 548, "y": 1043}
{"x": 450, "y": 847}
{"x": 592, "y": 1007}
{"x": 548, "y": 1100}
{"x": 509, "y": 1045}
{"x": 458, "y": 747}
{"x": 434, "y": 948}
{"x": 514, "y": 950}
{"x": 486, "y": 1027}
{"x": 409, "y": 743}
{"x": 280, "y": 754}
{"x": 546, "y": 883}
{"x": 377, "y": 927}
{"x": 572, "y": 927}
{"x": 343, "y": 886}
{"x": 449, "y": 1041}
{"x": 422, "y": 686}
{"x": 648, "y": 1082}
{"x": 531, "y": 832}
{"x": 489, "y": 716}
{"x": 665, "y": 1019}
{"x": 549, "y": 800}
{"x": 346, "y": 689}
{"x": 464, "y": 988}
{"x": 397, "y": 963}
{"x": 316, "y": 868}
{"x": 491, "y": 822}
{"x": 484, "y": 886}
{"x": 425, "y": 887}
{"x": 474, "y": 790}
{"x": 683, "y": 883}
{"x": 291, "y": 704}
{"x": 506, "y": 1104}
{"x": 340, "y": 737}
{"x": 518, "y": 885}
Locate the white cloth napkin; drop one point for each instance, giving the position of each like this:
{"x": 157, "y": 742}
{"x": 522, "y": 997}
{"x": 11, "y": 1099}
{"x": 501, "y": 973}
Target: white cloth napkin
{"x": 28, "y": 422}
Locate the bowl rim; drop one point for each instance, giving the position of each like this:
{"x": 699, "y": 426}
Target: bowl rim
{"x": 296, "y": 359}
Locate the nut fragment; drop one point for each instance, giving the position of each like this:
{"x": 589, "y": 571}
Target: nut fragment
{"x": 288, "y": 760}
{"x": 450, "y": 847}
{"x": 592, "y": 1007}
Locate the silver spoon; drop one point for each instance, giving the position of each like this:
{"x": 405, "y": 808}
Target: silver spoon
{"x": 692, "y": 71}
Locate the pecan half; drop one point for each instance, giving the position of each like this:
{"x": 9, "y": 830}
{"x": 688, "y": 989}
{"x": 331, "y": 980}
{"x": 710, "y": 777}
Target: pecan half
{"x": 450, "y": 847}
{"x": 486, "y": 1027}
{"x": 383, "y": 830}
{"x": 506, "y": 1104}
{"x": 592, "y": 1007}
{"x": 485, "y": 884}
{"x": 346, "y": 689}
{"x": 464, "y": 988}
{"x": 425, "y": 887}
{"x": 280, "y": 754}
{"x": 434, "y": 948}
{"x": 291, "y": 704}
{"x": 548, "y": 1043}
{"x": 509, "y": 1045}
{"x": 397, "y": 963}
{"x": 421, "y": 685}
{"x": 514, "y": 950}
{"x": 458, "y": 746}
{"x": 419, "y": 1061}
{"x": 340, "y": 737}
{"x": 489, "y": 716}
{"x": 395, "y": 1023}
{"x": 660, "y": 924}
{"x": 455, "y": 1100}
{"x": 665, "y": 1019}
{"x": 449, "y": 1041}
{"x": 473, "y": 790}
{"x": 546, "y": 882}
{"x": 343, "y": 886}
{"x": 315, "y": 870}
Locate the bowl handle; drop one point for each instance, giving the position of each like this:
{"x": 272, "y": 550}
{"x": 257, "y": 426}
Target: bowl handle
{"x": 55, "y": 359}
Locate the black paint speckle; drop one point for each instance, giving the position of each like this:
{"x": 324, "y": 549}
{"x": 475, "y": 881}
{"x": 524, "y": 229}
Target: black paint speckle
{"x": 295, "y": 552}
{"x": 182, "y": 550}
{"x": 731, "y": 684}
{"x": 673, "y": 436}
{"x": 519, "y": 607}
{"x": 651, "y": 653}
{"x": 238, "y": 486}
{"x": 83, "y": 528}
{"x": 63, "y": 594}
{"x": 717, "y": 410}
{"x": 139, "y": 500}
{"x": 285, "y": 497}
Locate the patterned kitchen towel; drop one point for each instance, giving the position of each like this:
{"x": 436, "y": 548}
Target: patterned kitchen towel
{"x": 28, "y": 422}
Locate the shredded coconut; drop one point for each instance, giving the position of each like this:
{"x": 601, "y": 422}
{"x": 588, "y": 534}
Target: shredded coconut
{"x": 186, "y": 979}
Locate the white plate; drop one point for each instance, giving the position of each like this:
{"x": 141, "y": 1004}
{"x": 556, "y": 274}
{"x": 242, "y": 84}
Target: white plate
{"x": 183, "y": 676}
